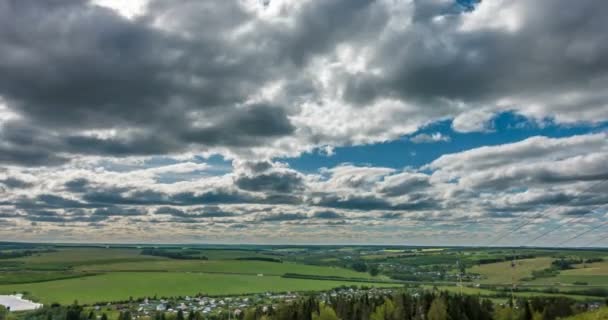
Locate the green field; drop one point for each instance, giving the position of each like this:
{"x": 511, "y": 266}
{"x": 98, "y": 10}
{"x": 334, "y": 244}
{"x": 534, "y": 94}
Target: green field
{"x": 96, "y": 274}
{"x": 502, "y": 272}
{"x": 121, "y": 285}
{"x": 64, "y": 259}
{"x": 225, "y": 266}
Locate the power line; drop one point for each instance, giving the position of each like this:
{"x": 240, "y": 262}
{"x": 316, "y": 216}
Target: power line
{"x": 571, "y": 220}
{"x": 596, "y": 240}
{"x": 583, "y": 233}
{"x": 542, "y": 214}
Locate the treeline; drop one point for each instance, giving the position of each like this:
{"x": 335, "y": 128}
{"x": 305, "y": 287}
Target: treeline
{"x": 336, "y": 278}
{"x": 20, "y": 253}
{"x": 505, "y": 258}
{"x": 182, "y": 255}
{"x": 58, "y": 312}
{"x": 426, "y": 306}
{"x": 267, "y": 259}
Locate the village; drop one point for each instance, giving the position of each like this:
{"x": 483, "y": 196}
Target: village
{"x": 234, "y": 305}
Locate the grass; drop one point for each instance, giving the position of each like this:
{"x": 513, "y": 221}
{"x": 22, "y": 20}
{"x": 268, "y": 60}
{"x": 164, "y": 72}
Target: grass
{"x": 120, "y": 286}
{"x": 30, "y": 276}
{"x": 594, "y": 274}
{"x": 64, "y": 259}
{"x": 502, "y": 272}
{"x": 225, "y": 266}
{"x": 592, "y": 269}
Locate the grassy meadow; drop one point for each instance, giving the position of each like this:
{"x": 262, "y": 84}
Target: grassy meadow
{"x": 99, "y": 274}
{"x": 122, "y": 285}
{"x": 94, "y": 274}
{"x": 502, "y": 272}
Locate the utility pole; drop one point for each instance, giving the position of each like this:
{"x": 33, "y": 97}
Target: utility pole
{"x": 459, "y": 283}
{"x": 513, "y": 265}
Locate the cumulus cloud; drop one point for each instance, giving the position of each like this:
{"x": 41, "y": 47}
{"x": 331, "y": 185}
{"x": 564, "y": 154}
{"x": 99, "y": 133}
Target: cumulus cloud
{"x": 430, "y": 138}
{"x": 112, "y": 111}
{"x": 153, "y": 78}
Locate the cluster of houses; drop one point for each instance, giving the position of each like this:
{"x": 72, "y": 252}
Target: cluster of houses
{"x": 235, "y": 305}
{"x": 203, "y": 304}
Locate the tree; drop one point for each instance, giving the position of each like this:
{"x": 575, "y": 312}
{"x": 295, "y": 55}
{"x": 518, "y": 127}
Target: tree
{"x": 325, "y": 313}
{"x": 125, "y": 315}
{"x": 180, "y": 315}
{"x": 385, "y": 311}
{"x": 438, "y": 310}
{"x": 503, "y": 313}
{"x": 359, "y": 266}
{"x": 374, "y": 271}
{"x": 527, "y": 313}
{"x": 3, "y": 312}
{"x": 104, "y": 316}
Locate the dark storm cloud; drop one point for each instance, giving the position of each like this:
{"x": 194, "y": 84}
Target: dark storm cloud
{"x": 182, "y": 77}
{"x": 15, "y": 183}
{"x": 48, "y": 201}
{"x": 329, "y": 215}
{"x": 118, "y": 211}
{"x": 243, "y": 127}
{"x": 78, "y": 185}
{"x": 373, "y": 202}
{"x": 68, "y": 66}
{"x": 285, "y": 182}
{"x": 467, "y": 66}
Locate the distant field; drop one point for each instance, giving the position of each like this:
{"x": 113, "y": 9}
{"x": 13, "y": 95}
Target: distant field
{"x": 502, "y": 272}
{"x": 590, "y": 269}
{"x": 65, "y": 258}
{"x": 595, "y": 274}
{"x": 226, "y": 266}
{"x": 96, "y": 274}
{"x": 120, "y": 286}
{"x": 29, "y": 276}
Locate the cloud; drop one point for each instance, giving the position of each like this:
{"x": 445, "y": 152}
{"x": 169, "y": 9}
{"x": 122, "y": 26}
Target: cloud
{"x": 16, "y": 183}
{"x": 430, "y": 138}
{"x": 173, "y": 78}
{"x": 329, "y": 215}
{"x": 111, "y": 110}
{"x": 274, "y": 182}
{"x": 278, "y": 217}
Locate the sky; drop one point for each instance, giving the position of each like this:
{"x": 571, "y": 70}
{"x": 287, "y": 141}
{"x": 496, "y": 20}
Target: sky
{"x": 406, "y": 122}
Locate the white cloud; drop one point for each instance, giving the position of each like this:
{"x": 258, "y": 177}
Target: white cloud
{"x": 430, "y": 138}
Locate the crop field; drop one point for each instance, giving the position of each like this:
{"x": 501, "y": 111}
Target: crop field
{"x": 225, "y": 266}
{"x": 98, "y": 274}
{"x": 502, "y": 272}
{"x": 122, "y": 285}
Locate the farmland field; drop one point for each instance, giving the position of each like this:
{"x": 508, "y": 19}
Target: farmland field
{"x": 120, "y": 286}
{"x": 226, "y": 266}
{"x": 502, "y": 272}
{"x": 96, "y": 274}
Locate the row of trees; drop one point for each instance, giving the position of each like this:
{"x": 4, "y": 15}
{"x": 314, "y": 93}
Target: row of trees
{"x": 425, "y": 306}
